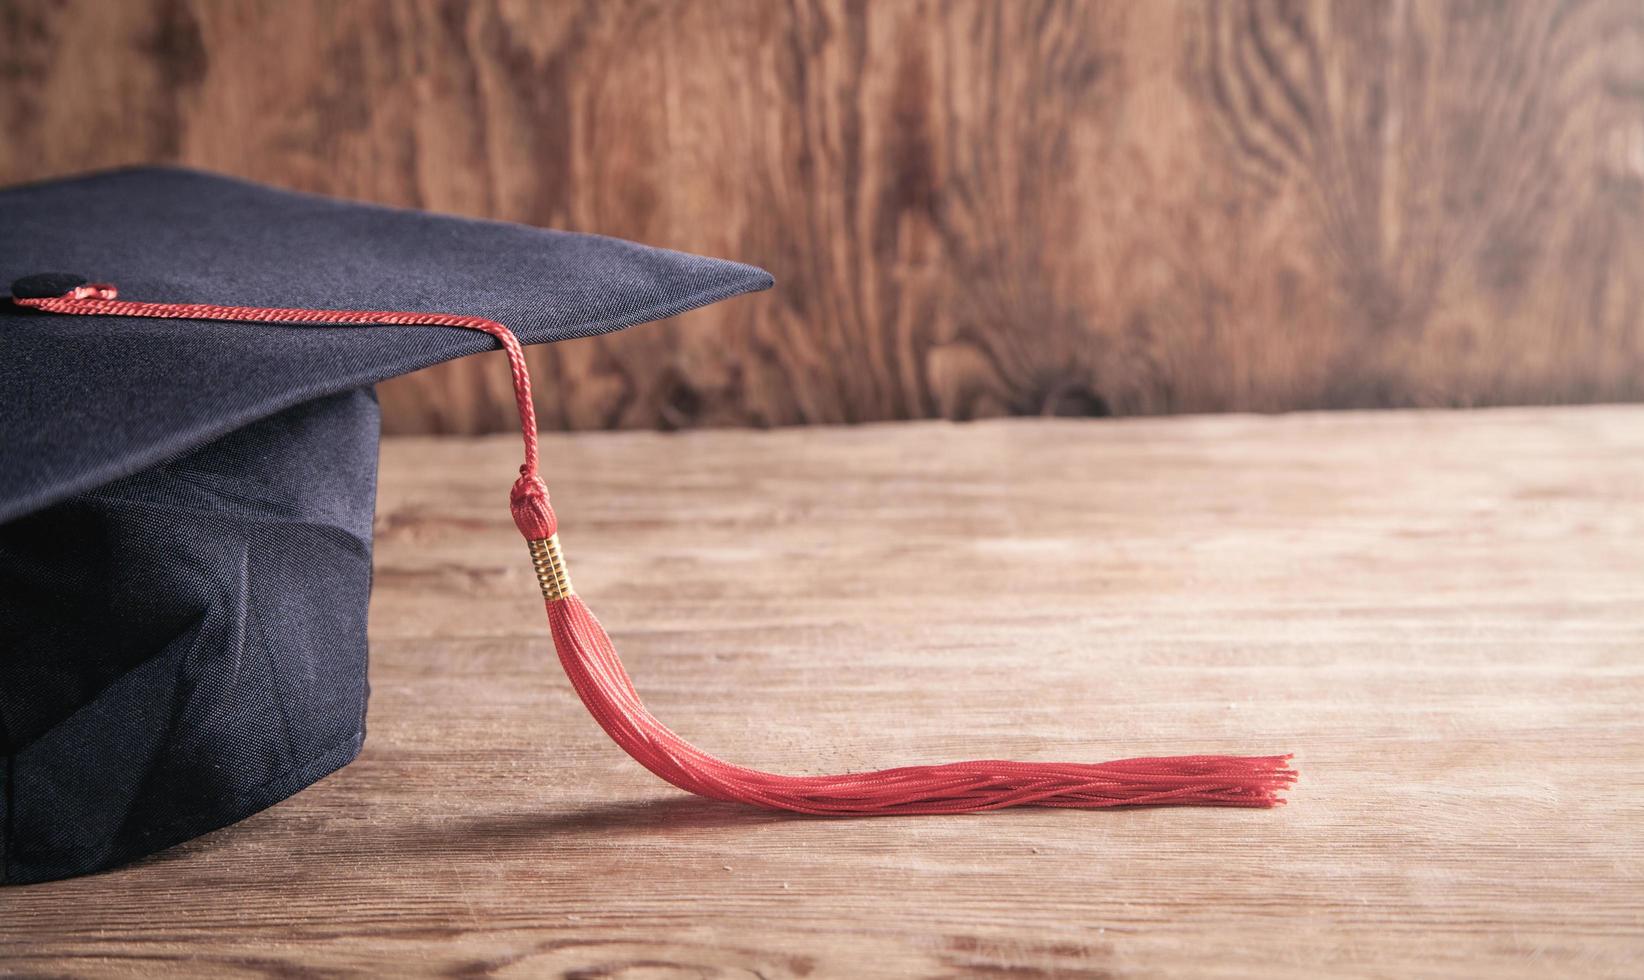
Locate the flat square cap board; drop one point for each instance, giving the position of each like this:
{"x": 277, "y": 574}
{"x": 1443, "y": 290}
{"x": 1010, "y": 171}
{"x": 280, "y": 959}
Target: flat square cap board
{"x": 186, "y": 505}
{"x": 187, "y": 467}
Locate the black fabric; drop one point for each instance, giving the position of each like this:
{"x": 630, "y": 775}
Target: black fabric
{"x": 46, "y": 285}
{"x": 180, "y": 640}
{"x": 186, "y": 506}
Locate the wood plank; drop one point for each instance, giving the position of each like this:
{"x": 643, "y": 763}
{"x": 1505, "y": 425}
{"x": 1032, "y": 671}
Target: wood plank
{"x": 972, "y": 208}
{"x": 1441, "y": 614}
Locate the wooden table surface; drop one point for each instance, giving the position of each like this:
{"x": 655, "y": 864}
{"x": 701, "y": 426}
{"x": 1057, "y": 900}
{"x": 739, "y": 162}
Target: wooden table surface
{"x": 1441, "y": 614}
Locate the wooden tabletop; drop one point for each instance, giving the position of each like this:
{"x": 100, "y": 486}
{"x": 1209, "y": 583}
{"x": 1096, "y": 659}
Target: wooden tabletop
{"x": 1441, "y": 614}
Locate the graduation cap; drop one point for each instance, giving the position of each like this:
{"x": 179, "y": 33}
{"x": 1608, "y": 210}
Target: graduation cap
{"x": 188, "y": 442}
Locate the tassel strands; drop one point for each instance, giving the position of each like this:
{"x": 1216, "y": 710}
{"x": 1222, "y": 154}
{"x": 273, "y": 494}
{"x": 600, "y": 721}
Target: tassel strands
{"x": 591, "y": 662}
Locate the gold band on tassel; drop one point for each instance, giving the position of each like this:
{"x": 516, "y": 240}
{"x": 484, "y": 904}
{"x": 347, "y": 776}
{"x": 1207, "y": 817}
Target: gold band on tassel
{"x": 550, "y": 566}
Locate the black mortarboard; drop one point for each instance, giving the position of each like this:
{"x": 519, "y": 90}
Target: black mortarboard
{"x": 185, "y": 509}
{"x": 186, "y": 506}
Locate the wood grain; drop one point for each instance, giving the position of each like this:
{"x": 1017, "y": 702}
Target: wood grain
{"x": 972, "y": 208}
{"x": 1442, "y": 614}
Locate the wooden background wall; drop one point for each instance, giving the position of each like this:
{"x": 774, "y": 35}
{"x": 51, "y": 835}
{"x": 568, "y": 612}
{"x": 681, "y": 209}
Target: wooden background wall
{"x": 972, "y": 207}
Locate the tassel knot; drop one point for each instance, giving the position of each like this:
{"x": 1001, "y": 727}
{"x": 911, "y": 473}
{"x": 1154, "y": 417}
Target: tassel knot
{"x": 529, "y": 503}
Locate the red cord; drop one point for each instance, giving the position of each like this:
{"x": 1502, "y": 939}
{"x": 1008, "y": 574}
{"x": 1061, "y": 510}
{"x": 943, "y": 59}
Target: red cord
{"x": 529, "y": 499}
{"x": 597, "y": 674}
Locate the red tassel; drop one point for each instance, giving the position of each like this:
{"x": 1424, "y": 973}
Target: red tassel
{"x": 595, "y": 671}
{"x": 591, "y": 662}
